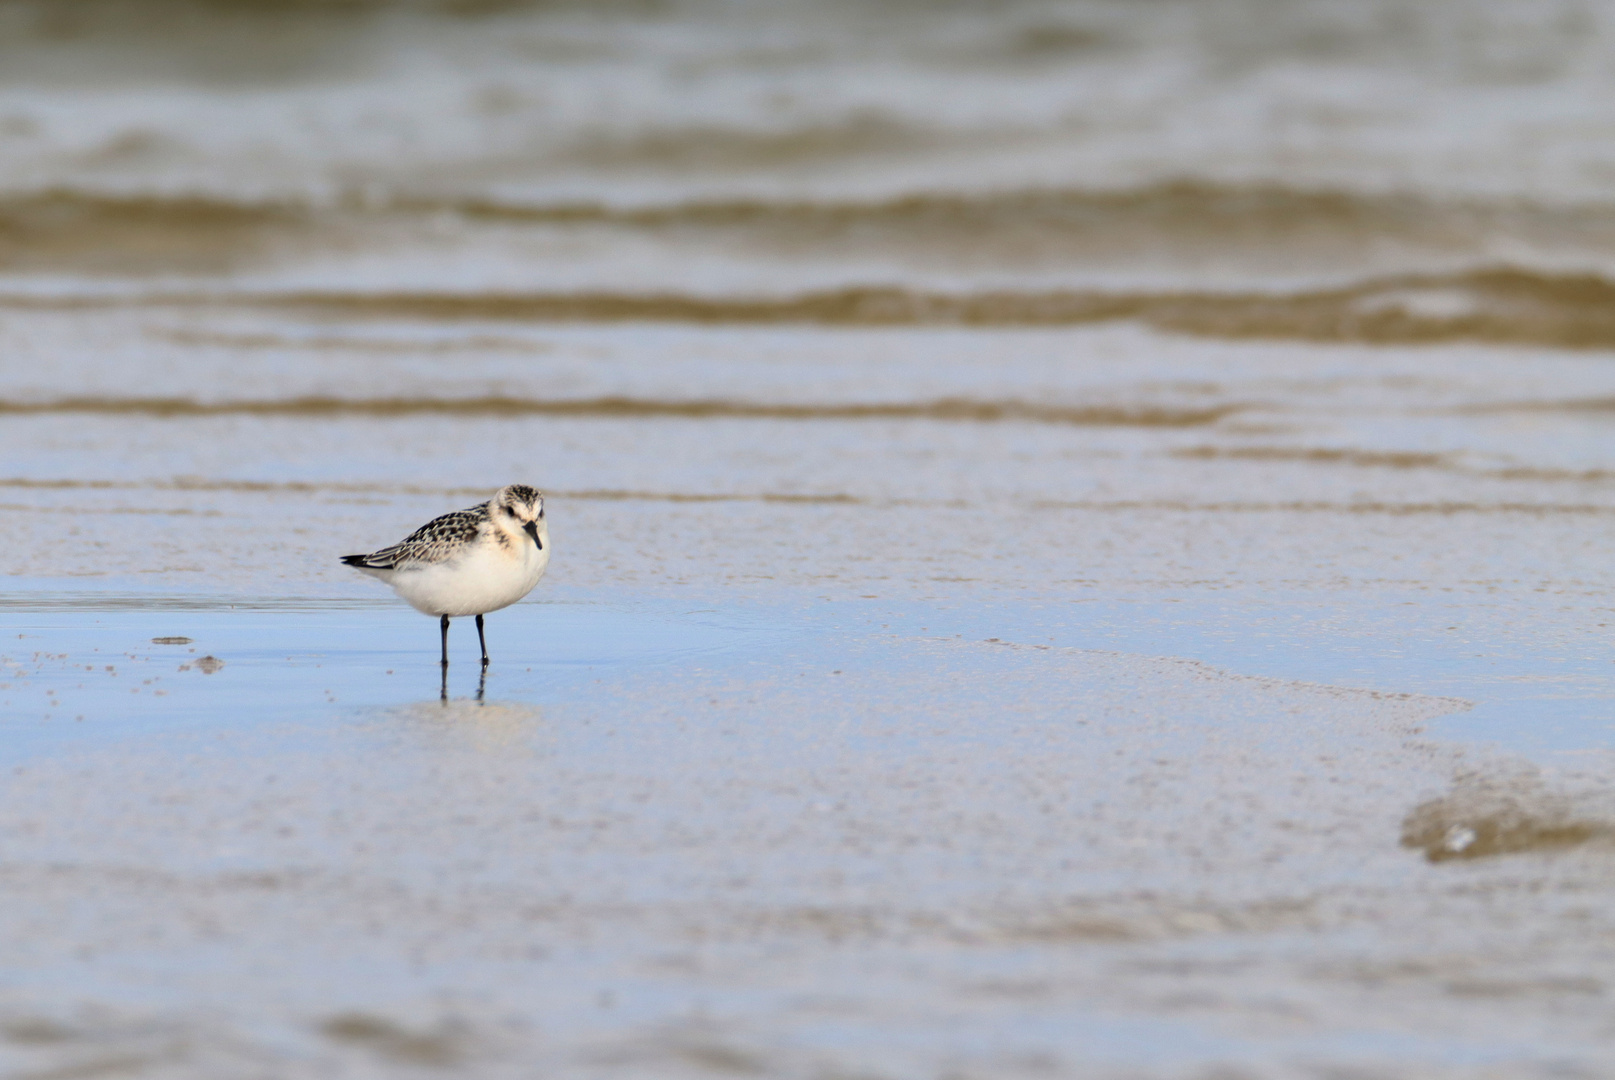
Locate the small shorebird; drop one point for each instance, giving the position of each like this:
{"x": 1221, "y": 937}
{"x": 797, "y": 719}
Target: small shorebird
{"x": 469, "y": 562}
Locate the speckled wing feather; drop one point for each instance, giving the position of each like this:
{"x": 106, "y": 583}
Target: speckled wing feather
{"x": 436, "y": 541}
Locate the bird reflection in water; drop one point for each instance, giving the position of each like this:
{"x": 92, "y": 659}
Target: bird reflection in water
{"x": 443, "y": 686}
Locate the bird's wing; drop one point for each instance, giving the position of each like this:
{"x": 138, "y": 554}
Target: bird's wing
{"x": 438, "y": 540}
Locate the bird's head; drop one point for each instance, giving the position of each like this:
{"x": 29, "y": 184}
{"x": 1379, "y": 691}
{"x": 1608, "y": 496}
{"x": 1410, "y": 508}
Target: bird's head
{"x": 522, "y": 507}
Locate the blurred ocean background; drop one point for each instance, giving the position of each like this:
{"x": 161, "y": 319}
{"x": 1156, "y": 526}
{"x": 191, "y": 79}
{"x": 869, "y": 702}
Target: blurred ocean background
{"x": 1379, "y": 171}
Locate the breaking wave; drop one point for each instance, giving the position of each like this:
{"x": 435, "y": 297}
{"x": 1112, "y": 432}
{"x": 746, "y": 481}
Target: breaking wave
{"x": 1215, "y": 226}
{"x": 1501, "y": 306}
{"x": 944, "y": 409}
{"x": 1073, "y": 236}
{"x": 61, "y": 230}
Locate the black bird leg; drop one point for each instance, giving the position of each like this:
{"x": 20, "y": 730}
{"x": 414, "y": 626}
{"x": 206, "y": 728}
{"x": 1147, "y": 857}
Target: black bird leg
{"x": 482, "y": 641}
{"x": 482, "y": 683}
{"x": 445, "y": 625}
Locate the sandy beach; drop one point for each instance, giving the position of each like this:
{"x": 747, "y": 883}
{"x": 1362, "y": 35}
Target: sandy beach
{"x": 1079, "y": 541}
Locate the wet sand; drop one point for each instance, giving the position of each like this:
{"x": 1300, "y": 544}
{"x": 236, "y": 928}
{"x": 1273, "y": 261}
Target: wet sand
{"x": 897, "y": 743}
{"x": 685, "y": 843}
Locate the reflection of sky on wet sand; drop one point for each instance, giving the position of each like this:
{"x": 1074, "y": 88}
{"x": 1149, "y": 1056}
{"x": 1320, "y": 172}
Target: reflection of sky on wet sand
{"x": 796, "y": 838}
{"x": 783, "y": 825}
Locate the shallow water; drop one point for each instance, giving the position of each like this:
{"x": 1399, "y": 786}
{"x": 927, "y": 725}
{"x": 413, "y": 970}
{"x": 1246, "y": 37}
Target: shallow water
{"x": 1078, "y": 539}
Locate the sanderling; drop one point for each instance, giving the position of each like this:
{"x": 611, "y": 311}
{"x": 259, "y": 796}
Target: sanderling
{"x": 469, "y": 562}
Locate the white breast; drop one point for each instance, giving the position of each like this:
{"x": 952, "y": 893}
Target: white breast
{"x": 486, "y": 577}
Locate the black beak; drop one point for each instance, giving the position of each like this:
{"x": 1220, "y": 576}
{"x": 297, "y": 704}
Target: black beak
{"x": 531, "y": 528}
